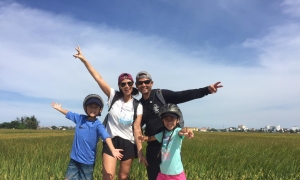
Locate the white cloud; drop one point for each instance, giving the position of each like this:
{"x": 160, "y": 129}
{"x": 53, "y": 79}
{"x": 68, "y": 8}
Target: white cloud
{"x": 291, "y": 7}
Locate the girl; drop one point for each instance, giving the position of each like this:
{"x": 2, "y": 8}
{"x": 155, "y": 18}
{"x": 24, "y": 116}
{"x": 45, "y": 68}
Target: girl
{"x": 171, "y": 139}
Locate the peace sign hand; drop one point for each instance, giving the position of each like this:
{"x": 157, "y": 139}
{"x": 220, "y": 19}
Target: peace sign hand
{"x": 79, "y": 54}
{"x": 214, "y": 87}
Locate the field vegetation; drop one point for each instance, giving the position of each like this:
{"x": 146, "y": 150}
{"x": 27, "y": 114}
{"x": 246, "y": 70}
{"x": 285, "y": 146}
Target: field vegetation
{"x": 44, "y": 154}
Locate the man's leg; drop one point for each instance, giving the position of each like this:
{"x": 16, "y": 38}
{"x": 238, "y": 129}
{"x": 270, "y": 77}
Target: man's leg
{"x": 154, "y": 159}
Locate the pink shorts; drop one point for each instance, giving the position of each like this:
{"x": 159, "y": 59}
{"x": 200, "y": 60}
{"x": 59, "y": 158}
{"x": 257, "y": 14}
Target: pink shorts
{"x": 162, "y": 176}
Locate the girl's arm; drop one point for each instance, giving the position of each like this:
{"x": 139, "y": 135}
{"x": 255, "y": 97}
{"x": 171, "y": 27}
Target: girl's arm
{"x": 101, "y": 82}
{"x": 142, "y": 138}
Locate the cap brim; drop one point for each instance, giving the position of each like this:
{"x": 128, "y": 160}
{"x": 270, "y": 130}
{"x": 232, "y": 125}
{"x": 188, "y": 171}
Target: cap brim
{"x": 94, "y": 100}
{"x": 169, "y": 114}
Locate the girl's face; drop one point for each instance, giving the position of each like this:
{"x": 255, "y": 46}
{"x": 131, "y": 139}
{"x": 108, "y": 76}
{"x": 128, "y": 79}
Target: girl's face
{"x": 126, "y": 86}
{"x": 93, "y": 110}
{"x": 170, "y": 122}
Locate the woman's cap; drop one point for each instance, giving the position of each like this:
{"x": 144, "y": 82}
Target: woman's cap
{"x": 94, "y": 100}
{"x": 124, "y": 76}
{"x": 143, "y": 74}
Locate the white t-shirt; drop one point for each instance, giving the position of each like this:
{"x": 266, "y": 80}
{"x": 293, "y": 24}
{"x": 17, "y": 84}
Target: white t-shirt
{"x": 120, "y": 117}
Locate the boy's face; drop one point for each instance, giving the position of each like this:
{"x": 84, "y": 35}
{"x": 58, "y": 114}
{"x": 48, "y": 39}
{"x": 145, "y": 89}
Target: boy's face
{"x": 170, "y": 122}
{"x": 93, "y": 110}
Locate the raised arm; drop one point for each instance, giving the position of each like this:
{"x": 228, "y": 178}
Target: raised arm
{"x": 101, "y": 82}
{"x": 58, "y": 107}
{"x": 177, "y": 97}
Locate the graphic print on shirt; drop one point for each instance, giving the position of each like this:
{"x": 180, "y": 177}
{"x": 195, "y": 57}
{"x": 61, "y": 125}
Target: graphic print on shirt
{"x": 165, "y": 151}
{"x": 156, "y": 108}
{"x": 126, "y": 114}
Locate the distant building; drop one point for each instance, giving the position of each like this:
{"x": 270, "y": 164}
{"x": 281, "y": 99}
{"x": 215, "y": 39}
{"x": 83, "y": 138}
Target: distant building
{"x": 242, "y": 126}
{"x": 193, "y": 128}
{"x": 203, "y": 129}
{"x": 278, "y": 128}
{"x": 294, "y": 128}
{"x": 271, "y": 128}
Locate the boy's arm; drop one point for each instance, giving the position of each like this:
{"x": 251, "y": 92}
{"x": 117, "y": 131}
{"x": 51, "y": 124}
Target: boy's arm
{"x": 101, "y": 82}
{"x": 186, "y": 132}
{"x": 58, "y": 107}
{"x": 116, "y": 152}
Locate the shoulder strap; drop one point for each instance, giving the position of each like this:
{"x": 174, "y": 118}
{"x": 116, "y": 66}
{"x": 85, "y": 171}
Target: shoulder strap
{"x": 135, "y": 105}
{"x": 160, "y": 96}
{"x": 115, "y": 98}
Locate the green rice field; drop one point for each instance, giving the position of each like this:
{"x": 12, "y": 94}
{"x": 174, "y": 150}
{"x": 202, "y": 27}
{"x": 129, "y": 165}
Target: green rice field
{"x": 44, "y": 154}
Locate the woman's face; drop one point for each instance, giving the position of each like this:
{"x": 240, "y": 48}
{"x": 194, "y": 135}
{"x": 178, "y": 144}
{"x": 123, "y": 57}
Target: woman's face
{"x": 126, "y": 86}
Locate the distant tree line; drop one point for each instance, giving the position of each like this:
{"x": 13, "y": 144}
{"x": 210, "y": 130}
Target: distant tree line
{"x": 21, "y": 123}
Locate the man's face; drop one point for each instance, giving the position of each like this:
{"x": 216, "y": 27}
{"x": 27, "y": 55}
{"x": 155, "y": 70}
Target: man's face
{"x": 144, "y": 85}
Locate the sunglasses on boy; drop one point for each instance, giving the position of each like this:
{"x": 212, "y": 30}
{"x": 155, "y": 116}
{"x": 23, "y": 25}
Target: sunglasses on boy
{"x": 143, "y": 82}
{"x": 123, "y": 84}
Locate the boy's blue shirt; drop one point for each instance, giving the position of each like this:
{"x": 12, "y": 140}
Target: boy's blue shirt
{"x": 87, "y": 134}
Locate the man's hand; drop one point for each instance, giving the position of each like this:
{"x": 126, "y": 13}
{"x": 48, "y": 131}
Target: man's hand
{"x": 141, "y": 138}
{"x": 214, "y": 87}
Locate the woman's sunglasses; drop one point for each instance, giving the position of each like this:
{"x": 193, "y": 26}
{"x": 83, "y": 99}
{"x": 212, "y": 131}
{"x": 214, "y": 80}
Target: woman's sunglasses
{"x": 143, "y": 82}
{"x": 123, "y": 84}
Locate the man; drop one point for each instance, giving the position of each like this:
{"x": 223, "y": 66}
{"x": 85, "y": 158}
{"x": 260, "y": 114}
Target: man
{"x": 151, "y": 105}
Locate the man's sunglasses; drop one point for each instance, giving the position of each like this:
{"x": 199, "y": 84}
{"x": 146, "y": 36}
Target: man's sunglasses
{"x": 143, "y": 82}
{"x": 123, "y": 84}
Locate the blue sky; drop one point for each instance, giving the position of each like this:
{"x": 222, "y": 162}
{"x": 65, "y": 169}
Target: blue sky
{"x": 251, "y": 46}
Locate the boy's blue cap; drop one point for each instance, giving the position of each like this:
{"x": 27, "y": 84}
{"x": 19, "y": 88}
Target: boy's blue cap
{"x": 94, "y": 100}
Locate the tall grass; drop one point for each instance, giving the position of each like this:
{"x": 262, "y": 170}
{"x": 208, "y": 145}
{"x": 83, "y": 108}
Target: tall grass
{"x": 44, "y": 154}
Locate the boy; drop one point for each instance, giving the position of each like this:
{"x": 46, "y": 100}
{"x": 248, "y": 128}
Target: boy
{"x": 87, "y": 132}
{"x": 171, "y": 139}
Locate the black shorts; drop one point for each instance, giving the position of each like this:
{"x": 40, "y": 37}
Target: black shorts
{"x": 129, "y": 149}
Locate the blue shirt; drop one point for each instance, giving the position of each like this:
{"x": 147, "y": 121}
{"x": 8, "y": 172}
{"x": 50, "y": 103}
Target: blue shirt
{"x": 170, "y": 152}
{"x": 87, "y": 134}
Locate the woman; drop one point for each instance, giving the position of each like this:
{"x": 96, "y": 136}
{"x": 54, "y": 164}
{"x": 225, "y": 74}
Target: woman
{"x": 120, "y": 120}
